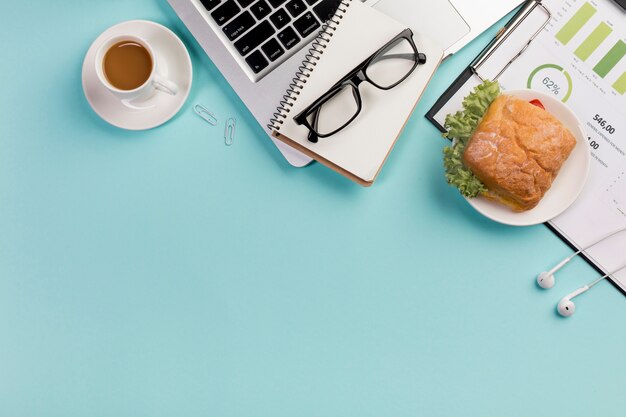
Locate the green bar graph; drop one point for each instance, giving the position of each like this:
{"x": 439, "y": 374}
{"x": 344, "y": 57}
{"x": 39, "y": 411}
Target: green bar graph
{"x": 620, "y": 84}
{"x": 571, "y": 28}
{"x": 611, "y": 59}
{"x": 589, "y": 45}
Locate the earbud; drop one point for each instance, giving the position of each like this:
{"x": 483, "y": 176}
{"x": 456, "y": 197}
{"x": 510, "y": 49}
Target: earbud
{"x": 545, "y": 280}
{"x": 566, "y": 306}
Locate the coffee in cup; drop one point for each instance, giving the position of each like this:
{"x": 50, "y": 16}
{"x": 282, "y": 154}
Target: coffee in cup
{"x": 127, "y": 66}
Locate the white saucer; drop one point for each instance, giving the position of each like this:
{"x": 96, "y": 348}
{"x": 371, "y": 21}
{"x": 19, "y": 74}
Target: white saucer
{"x": 173, "y": 63}
{"x": 568, "y": 184}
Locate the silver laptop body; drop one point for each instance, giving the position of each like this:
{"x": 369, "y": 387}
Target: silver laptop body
{"x": 452, "y": 23}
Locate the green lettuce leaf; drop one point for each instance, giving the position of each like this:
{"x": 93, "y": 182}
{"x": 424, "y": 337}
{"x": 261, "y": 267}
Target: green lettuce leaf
{"x": 460, "y": 126}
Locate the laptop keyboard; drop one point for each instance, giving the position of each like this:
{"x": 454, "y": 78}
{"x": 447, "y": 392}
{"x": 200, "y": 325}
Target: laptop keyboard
{"x": 264, "y": 31}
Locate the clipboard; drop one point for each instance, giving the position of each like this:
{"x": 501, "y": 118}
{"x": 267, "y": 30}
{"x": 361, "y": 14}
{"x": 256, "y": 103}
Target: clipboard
{"x": 501, "y": 37}
{"x": 519, "y": 24}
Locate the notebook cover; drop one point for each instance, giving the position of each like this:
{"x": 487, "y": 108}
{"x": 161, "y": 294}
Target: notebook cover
{"x": 360, "y": 150}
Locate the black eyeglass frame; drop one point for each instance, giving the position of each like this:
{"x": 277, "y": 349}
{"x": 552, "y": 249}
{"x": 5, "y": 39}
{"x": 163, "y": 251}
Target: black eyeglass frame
{"x": 354, "y": 78}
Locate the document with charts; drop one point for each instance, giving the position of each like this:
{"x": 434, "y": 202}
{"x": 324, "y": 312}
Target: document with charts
{"x": 580, "y": 58}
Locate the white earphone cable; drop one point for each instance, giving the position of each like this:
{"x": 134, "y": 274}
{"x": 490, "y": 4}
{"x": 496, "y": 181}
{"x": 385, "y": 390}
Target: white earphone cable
{"x": 606, "y": 276}
{"x": 610, "y": 235}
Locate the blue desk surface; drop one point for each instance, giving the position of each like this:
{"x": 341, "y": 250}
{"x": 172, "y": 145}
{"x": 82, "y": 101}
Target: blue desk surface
{"x": 161, "y": 273}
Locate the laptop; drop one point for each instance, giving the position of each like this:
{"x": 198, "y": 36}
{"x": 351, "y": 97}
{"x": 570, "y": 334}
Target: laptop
{"x": 258, "y": 45}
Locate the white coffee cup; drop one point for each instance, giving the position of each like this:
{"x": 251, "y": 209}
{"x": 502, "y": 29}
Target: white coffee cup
{"x": 154, "y": 82}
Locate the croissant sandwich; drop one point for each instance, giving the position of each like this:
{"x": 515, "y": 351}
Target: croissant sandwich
{"x": 506, "y": 149}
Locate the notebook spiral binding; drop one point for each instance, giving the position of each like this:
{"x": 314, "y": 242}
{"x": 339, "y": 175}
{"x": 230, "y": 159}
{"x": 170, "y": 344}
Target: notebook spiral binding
{"x": 308, "y": 64}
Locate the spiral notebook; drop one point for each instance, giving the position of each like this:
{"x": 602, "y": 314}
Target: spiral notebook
{"x": 351, "y": 36}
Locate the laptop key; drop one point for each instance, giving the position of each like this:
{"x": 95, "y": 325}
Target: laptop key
{"x": 326, "y": 9}
{"x": 273, "y": 50}
{"x": 245, "y": 3}
{"x": 260, "y": 9}
{"x": 255, "y": 37}
{"x": 276, "y": 3}
{"x": 288, "y": 38}
{"x": 210, "y": 4}
{"x": 280, "y": 19}
{"x": 312, "y": 2}
{"x": 295, "y": 7}
{"x": 225, "y": 12}
{"x": 239, "y": 25}
{"x": 306, "y": 24}
{"x": 257, "y": 61}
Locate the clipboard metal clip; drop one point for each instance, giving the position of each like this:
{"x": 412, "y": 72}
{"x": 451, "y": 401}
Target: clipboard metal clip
{"x": 504, "y": 34}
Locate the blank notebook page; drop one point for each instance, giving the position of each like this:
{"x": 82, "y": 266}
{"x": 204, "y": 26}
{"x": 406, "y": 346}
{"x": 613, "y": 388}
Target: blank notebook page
{"x": 362, "y": 147}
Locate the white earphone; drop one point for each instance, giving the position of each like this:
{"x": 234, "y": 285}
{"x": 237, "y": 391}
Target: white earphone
{"x": 566, "y": 306}
{"x": 547, "y": 280}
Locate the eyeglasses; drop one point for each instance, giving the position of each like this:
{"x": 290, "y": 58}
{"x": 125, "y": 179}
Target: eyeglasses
{"x": 384, "y": 69}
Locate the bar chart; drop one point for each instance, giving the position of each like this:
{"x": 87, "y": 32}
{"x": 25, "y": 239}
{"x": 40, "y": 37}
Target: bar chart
{"x": 599, "y": 34}
{"x": 611, "y": 59}
{"x": 620, "y": 84}
{"x": 576, "y": 23}
{"x": 596, "y": 42}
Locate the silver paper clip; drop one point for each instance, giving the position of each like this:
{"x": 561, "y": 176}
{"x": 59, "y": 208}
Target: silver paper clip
{"x": 206, "y": 115}
{"x": 229, "y": 131}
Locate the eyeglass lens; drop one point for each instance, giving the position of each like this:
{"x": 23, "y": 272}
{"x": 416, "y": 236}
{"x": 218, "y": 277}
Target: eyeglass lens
{"x": 334, "y": 113}
{"x": 389, "y": 67}
{"x": 393, "y": 64}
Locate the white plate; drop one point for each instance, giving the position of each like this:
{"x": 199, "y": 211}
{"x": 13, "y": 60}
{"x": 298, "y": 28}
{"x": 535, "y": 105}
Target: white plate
{"x": 566, "y": 187}
{"x": 174, "y": 63}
